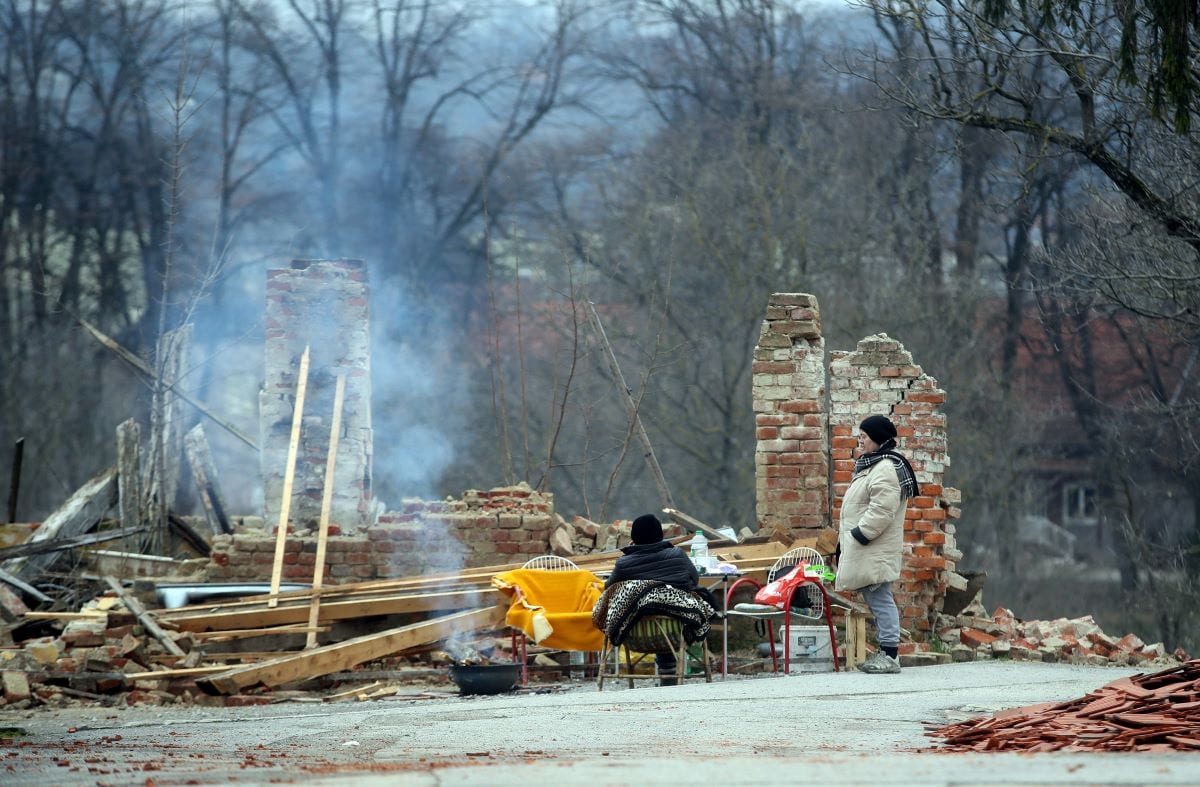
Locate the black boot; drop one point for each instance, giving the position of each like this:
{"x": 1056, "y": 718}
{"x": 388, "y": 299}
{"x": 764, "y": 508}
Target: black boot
{"x": 668, "y": 680}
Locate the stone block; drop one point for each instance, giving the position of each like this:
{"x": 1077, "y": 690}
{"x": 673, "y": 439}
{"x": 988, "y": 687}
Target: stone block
{"x": 44, "y": 651}
{"x": 85, "y": 633}
{"x": 560, "y": 542}
{"x": 961, "y": 653}
{"x": 16, "y": 686}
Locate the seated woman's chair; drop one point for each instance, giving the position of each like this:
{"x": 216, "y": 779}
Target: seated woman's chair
{"x": 649, "y": 635}
{"x": 806, "y": 601}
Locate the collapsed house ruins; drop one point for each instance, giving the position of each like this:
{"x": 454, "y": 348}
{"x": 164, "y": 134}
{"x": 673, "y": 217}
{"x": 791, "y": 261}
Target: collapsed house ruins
{"x": 321, "y": 524}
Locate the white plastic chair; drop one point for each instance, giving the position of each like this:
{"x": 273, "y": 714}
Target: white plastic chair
{"x": 550, "y": 563}
{"x": 807, "y": 601}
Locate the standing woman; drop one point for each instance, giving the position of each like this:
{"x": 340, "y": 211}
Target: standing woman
{"x": 871, "y": 533}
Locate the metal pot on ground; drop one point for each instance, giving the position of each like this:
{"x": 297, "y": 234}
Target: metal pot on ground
{"x": 485, "y": 678}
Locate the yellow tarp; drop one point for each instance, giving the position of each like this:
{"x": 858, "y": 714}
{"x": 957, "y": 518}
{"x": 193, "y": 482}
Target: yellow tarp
{"x": 553, "y": 608}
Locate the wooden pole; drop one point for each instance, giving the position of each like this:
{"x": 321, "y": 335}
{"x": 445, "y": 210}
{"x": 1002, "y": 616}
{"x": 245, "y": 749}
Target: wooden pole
{"x": 630, "y": 405}
{"x": 289, "y": 474}
{"x": 144, "y": 617}
{"x": 130, "y": 501}
{"x": 326, "y": 502}
{"x": 14, "y": 484}
{"x": 204, "y": 472}
{"x": 142, "y": 367}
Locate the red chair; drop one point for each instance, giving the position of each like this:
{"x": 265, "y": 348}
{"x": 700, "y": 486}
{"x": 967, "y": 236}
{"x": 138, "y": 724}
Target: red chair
{"x": 808, "y": 601}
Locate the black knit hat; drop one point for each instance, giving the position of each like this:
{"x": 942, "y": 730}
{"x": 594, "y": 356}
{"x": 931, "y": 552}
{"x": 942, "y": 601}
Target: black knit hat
{"x": 879, "y": 429}
{"x": 646, "y": 530}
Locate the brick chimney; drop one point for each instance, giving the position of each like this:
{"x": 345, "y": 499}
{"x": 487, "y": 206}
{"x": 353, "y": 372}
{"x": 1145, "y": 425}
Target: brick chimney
{"x": 323, "y": 304}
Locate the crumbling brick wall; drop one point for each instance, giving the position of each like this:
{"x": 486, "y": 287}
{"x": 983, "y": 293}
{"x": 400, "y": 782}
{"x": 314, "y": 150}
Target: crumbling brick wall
{"x": 879, "y": 376}
{"x": 807, "y": 429}
{"x": 505, "y": 525}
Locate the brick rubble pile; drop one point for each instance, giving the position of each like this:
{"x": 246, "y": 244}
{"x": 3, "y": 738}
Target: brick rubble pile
{"x": 976, "y": 635}
{"x": 109, "y": 658}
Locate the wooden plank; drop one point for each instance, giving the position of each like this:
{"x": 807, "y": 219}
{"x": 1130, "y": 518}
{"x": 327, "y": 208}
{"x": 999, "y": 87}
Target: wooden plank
{"x": 65, "y": 615}
{"x": 473, "y": 579}
{"x": 81, "y": 510}
{"x": 250, "y": 655}
{"x": 289, "y": 473}
{"x": 166, "y": 436}
{"x": 348, "y": 609}
{"x": 361, "y": 591}
{"x": 326, "y": 500}
{"x": 631, "y": 407}
{"x": 695, "y": 524}
{"x": 71, "y": 542}
{"x": 856, "y": 639}
{"x": 129, "y": 475}
{"x": 248, "y": 633}
{"x": 145, "y": 618}
{"x": 204, "y": 473}
{"x": 476, "y": 579}
{"x": 352, "y": 692}
{"x": 182, "y": 672}
{"x": 827, "y": 541}
{"x": 352, "y": 652}
{"x": 14, "y": 480}
{"x": 12, "y": 609}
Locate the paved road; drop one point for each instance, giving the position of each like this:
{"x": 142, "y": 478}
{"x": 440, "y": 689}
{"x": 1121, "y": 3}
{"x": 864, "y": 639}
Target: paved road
{"x": 824, "y": 729}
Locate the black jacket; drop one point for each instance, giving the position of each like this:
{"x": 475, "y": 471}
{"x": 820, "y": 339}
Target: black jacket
{"x": 663, "y": 561}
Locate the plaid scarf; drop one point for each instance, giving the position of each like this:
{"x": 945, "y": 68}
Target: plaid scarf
{"x": 904, "y": 471}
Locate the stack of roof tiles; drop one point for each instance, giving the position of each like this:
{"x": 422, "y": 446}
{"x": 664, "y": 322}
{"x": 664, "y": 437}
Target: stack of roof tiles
{"x": 1155, "y": 712}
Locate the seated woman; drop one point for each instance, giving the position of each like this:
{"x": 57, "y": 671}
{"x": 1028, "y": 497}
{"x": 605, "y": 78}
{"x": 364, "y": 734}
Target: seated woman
{"x": 651, "y": 557}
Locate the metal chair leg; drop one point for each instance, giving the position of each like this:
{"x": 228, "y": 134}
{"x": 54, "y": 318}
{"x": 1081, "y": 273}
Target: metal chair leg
{"x": 603, "y": 663}
{"x": 771, "y": 642}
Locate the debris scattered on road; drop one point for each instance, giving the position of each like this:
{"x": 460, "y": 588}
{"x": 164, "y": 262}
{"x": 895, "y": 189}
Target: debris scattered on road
{"x": 1159, "y": 711}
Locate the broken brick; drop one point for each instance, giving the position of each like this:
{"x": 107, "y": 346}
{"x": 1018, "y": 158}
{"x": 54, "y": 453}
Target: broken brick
{"x": 974, "y": 638}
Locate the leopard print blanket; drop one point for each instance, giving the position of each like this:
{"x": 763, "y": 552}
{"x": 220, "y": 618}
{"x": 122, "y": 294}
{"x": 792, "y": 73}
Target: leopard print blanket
{"x": 623, "y": 603}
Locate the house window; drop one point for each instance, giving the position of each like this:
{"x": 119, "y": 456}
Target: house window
{"x": 1079, "y": 504}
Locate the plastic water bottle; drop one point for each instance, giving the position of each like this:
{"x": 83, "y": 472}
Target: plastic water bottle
{"x": 700, "y": 552}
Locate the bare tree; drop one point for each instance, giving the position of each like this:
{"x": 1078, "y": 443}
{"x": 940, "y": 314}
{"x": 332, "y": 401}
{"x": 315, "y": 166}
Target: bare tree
{"x": 304, "y": 47}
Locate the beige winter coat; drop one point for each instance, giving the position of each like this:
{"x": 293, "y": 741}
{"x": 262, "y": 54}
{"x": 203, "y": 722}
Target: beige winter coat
{"x": 873, "y": 504}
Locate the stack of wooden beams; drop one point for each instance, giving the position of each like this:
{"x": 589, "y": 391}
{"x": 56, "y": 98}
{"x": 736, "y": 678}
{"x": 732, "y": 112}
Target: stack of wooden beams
{"x": 476, "y": 606}
{"x": 1155, "y": 712}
